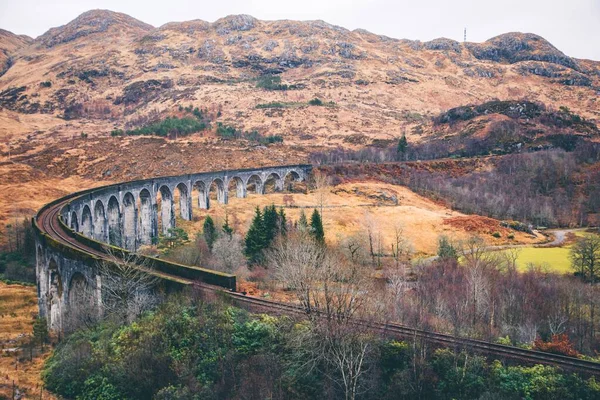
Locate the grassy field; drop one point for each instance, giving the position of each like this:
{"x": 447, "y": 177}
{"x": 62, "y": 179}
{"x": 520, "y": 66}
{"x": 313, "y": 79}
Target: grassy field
{"x": 555, "y": 259}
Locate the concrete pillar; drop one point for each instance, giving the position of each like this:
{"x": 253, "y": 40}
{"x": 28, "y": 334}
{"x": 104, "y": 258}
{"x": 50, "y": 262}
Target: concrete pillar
{"x": 224, "y": 196}
{"x": 279, "y": 185}
{"x": 130, "y": 218}
{"x": 147, "y": 218}
{"x": 100, "y": 228}
{"x": 115, "y": 234}
{"x": 241, "y": 191}
{"x": 185, "y": 202}
{"x": 167, "y": 211}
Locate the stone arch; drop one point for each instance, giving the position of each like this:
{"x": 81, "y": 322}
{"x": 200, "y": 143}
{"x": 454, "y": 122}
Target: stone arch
{"x": 219, "y": 188}
{"x": 167, "y": 212}
{"x": 291, "y": 180}
{"x": 185, "y": 201}
{"x": 254, "y": 184}
{"x": 54, "y": 299}
{"x": 115, "y": 235}
{"x": 236, "y": 185}
{"x": 86, "y": 221}
{"x": 80, "y": 302}
{"x": 272, "y": 183}
{"x": 129, "y": 222}
{"x": 100, "y": 231}
{"x": 202, "y": 193}
{"x": 147, "y": 230}
{"x": 74, "y": 222}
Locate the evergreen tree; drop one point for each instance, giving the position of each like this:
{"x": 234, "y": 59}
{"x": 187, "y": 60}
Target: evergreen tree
{"x": 209, "y": 231}
{"x": 270, "y": 223}
{"x": 446, "y": 249}
{"x": 302, "y": 224}
{"x": 40, "y": 331}
{"x": 228, "y": 230}
{"x": 255, "y": 239}
{"x": 282, "y": 222}
{"x": 316, "y": 227}
{"x": 402, "y": 145}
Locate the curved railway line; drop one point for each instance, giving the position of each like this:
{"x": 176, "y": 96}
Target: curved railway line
{"x": 48, "y": 223}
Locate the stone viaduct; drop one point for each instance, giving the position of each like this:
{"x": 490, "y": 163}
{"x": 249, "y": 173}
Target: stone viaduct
{"x": 71, "y": 232}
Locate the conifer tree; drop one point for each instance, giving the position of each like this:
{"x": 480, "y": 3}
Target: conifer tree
{"x": 316, "y": 227}
{"x": 209, "y": 231}
{"x": 402, "y": 145}
{"x": 302, "y": 222}
{"x": 255, "y": 238}
{"x": 228, "y": 230}
{"x": 270, "y": 222}
{"x": 282, "y": 222}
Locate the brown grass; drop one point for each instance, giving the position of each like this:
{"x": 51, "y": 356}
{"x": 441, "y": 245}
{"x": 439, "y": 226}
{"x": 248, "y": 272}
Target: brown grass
{"x": 351, "y": 207}
{"x": 18, "y": 307}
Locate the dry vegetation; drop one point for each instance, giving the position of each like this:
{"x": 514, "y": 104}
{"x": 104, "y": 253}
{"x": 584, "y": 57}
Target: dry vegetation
{"x": 18, "y": 307}
{"x": 352, "y": 208}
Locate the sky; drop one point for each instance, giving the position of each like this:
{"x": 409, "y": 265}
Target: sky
{"x": 573, "y": 26}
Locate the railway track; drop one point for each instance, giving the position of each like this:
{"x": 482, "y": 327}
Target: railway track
{"x": 49, "y": 224}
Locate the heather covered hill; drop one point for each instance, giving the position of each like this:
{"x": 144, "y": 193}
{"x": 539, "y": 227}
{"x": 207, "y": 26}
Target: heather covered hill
{"x": 111, "y": 70}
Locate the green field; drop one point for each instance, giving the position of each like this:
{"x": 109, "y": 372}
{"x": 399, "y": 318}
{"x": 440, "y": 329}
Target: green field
{"x": 556, "y": 259}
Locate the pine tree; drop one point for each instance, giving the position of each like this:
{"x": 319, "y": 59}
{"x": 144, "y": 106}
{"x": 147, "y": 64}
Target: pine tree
{"x": 209, "y": 231}
{"x": 282, "y": 222}
{"x": 402, "y": 144}
{"x": 316, "y": 227}
{"x": 270, "y": 223}
{"x": 228, "y": 230}
{"x": 302, "y": 222}
{"x": 40, "y": 331}
{"x": 255, "y": 238}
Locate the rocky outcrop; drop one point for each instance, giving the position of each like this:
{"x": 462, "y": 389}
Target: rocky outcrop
{"x": 511, "y": 48}
{"x": 443, "y": 44}
{"x": 9, "y": 44}
{"x": 90, "y": 23}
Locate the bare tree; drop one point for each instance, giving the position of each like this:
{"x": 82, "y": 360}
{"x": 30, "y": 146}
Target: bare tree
{"x": 322, "y": 185}
{"x": 127, "y": 287}
{"x": 228, "y": 253}
{"x": 585, "y": 258}
{"x": 336, "y": 295}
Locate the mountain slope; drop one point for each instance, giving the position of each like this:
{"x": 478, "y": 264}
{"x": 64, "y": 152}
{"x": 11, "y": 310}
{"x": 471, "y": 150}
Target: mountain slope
{"x": 112, "y": 71}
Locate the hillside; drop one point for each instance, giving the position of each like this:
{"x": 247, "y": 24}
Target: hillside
{"x": 64, "y": 92}
{"x": 110, "y": 69}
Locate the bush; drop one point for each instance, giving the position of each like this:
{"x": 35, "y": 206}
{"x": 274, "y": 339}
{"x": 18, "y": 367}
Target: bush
{"x": 497, "y": 235}
{"x": 271, "y": 82}
{"x": 46, "y": 84}
{"x": 117, "y": 132}
{"x": 316, "y": 102}
{"x": 171, "y": 126}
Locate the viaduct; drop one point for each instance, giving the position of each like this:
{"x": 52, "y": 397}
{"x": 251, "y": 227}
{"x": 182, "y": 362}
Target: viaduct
{"x": 75, "y": 232}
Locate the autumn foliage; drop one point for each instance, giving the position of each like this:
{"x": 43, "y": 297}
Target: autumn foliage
{"x": 558, "y": 344}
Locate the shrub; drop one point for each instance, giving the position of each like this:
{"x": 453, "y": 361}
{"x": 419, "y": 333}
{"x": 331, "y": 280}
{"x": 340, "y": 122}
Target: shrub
{"x": 117, "y": 132}
{"x": 171, "y": 126}
{"x": 496, "y": 235}
{"x": 46, "y": 84}
{"x": 558, "y": 344}
{"x": 316, "y": 102}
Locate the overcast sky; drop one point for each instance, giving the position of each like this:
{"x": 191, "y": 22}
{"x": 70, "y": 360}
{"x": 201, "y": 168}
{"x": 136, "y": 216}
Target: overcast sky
{"x": 571, "y": 25}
